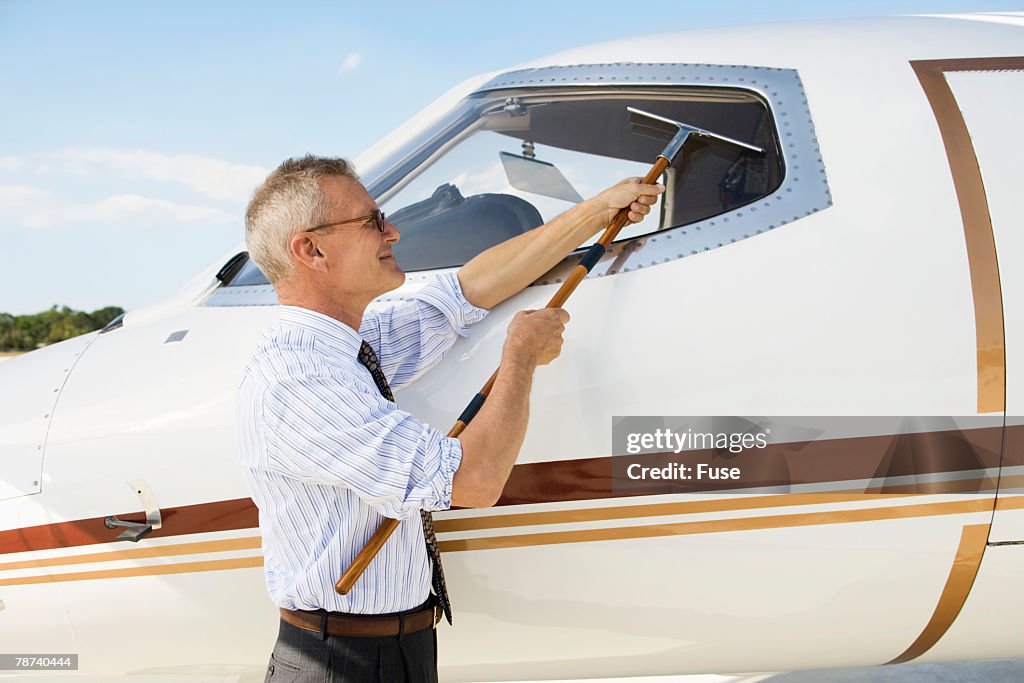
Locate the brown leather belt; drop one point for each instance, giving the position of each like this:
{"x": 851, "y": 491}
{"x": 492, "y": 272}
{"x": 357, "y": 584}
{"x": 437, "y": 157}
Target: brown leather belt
{"x": 363, "y": 625}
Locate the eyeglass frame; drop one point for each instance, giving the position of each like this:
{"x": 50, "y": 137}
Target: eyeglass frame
{"x": 377, "y": 217}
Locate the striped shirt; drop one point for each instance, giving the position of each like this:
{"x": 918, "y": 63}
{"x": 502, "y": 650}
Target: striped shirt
{"x": 327, "y": 457}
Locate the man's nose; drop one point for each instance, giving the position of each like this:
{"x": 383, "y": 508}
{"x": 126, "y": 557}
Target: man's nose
{"x": 391, "y": 232}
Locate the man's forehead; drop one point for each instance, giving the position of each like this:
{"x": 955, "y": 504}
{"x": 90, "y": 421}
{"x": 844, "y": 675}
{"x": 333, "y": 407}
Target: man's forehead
{"x": 344, "y": 193}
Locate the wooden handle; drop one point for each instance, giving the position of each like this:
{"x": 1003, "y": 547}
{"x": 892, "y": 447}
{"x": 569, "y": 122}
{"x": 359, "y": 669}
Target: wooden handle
{"x": 365, "y": 556}
{"x": 376, "y": 542}
{"x": 388, "y": 526}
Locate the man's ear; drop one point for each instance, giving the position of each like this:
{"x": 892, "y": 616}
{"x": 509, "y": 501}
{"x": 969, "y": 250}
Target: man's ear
{"x": 306, "y": 250}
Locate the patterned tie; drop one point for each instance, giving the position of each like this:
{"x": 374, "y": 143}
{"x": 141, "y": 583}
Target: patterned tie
{"x": 368, "y": 358}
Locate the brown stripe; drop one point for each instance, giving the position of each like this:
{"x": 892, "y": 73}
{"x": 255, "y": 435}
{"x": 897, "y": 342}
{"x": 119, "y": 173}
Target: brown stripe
{"x": 1013, "y": 446}
{"x": 222, "y": 515}
{"x": 974, "y": 64}
{"x": 976, "y": 504}
{"x": 151, "y": 570}
{"x": 970, "y": 192}
{"x": 248, "y": 543}
{"x": 812, "y": 462}
{"x": 954, "y": 593}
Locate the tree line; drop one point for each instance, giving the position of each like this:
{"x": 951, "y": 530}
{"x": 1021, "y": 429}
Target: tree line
{"x": 28, "y": 332}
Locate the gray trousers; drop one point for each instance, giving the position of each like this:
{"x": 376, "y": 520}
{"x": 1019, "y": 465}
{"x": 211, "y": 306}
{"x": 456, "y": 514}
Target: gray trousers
{"x": 301, "y": 657}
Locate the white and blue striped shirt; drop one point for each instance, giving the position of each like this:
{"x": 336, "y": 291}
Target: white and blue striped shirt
{"x": 327, "y": 457}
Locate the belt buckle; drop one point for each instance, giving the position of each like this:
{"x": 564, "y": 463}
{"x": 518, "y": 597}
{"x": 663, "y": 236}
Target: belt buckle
{"x": 438, "y": 613}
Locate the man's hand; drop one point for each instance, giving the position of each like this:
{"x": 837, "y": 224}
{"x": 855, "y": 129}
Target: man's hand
{"x": 631, "y": 192}
{"x": 535, "y": 337}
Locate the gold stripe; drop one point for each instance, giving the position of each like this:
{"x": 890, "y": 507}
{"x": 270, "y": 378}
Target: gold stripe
{"x": 247, "y": 543}
{"x": 981, "y": 246}
{"x": 1008, "y": 501}
{"x": 716, "y": 526}
{"x": 151, "y": 570}
{"x": 720, "y": 504}
{"x": 721, "y": 525}
{"x": 655, "y": 510}
{"x": 954, "y": 593}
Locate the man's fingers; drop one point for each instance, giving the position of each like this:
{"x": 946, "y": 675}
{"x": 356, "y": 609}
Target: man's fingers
{"x": 642, "y": 188}
{"x": 562, "y": 314}
{"x": 559, "y": 315}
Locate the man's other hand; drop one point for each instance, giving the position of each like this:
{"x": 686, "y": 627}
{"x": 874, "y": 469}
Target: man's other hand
{"x": 535, "y": 337}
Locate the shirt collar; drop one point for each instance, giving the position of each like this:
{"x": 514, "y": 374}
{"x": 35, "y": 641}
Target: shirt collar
{"x": 325, "y": 329}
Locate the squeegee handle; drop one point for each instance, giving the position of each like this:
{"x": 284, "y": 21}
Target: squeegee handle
{"x": 590, "y": 259}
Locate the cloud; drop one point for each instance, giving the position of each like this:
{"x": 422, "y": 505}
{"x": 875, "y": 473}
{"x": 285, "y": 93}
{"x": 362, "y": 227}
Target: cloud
{"x": 210, "y": 177}
{"x": 350, "y": 63}
{"x": 139, "y": 210}
{"x": 11, "y": 164}
{"x": 31, "y": 207}
{"x": 16, "y": 197}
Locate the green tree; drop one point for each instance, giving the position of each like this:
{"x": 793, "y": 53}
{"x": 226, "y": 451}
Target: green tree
{"x": 27, "y": 332}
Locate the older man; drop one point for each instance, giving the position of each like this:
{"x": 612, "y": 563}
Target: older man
{"x": 325, "y": 449}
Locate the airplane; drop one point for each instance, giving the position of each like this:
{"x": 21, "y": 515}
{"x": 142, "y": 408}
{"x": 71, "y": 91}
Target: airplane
{"x": 852, "y": 293}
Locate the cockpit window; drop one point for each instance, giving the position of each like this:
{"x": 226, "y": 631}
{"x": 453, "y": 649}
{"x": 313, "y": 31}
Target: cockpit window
{"x": 249, "y": 275}
{"x": 525, "y": 159}
{"x": 505, "y": 162}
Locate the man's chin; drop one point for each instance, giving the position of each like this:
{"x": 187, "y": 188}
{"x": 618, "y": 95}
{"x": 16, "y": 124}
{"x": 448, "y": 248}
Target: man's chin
{"x": 398, "y": 275}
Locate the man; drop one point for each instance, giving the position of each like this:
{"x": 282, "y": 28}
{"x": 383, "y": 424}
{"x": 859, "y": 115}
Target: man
{"x": 326, "y": 451}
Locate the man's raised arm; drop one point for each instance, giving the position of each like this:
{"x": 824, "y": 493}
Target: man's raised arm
{"x": 506, "y": 268}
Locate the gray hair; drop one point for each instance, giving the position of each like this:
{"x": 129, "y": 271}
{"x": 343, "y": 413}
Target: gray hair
{"x": 289, "y": 200}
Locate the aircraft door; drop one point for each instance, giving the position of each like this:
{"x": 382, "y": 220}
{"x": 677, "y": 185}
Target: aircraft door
{"x": 989, "y": 100}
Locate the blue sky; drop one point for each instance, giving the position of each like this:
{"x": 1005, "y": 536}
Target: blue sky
{"x": 132, "y": 133}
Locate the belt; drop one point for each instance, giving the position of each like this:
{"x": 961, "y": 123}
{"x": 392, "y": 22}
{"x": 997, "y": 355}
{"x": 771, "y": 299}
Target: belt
{"x": 363, "y": 625}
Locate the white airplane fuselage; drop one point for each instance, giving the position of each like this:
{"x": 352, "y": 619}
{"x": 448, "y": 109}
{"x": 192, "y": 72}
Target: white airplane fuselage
{"x": 882, "y": 276}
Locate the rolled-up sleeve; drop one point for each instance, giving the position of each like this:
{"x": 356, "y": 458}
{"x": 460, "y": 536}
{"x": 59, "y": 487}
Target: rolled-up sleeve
{"x": 326, "y": 427}
{"x": 411, "y": 337}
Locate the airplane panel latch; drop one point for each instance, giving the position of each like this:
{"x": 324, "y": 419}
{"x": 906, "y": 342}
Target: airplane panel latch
{"x": 133, "y": 531}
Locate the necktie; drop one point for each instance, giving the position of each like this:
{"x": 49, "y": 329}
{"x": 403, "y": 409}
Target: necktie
{"x": 368, "y": 358}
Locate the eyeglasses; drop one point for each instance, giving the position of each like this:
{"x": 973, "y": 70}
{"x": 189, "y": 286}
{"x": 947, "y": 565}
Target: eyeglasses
{"x": 377, "y": 217}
